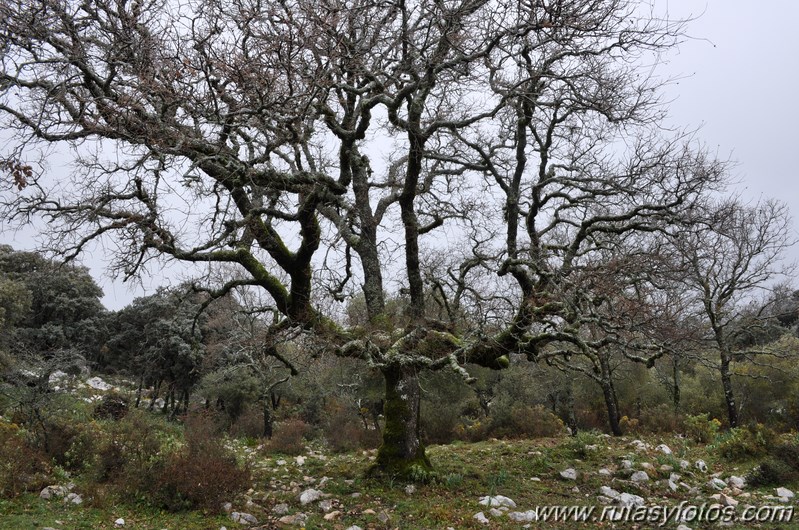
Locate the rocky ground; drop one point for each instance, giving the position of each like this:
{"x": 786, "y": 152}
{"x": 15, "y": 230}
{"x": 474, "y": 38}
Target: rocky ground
{"x": 495, "y": 484}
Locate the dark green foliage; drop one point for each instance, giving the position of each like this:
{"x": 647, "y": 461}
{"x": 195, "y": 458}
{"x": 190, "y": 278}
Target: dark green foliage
{"x": 779, "y": 469}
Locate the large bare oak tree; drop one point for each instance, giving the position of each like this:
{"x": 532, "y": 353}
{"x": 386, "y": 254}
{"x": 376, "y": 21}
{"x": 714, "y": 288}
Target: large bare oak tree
{"x": 481, "y": 159}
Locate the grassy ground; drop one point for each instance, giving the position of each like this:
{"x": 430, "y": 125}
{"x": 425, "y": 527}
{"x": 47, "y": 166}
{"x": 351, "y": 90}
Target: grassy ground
{"x": 527, "y": 471}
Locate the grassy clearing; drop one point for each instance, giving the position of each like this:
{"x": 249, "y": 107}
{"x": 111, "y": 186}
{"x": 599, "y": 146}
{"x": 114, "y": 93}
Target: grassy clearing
{"x": 527, "y": 471}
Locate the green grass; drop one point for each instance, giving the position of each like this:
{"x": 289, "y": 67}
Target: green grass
{"x": 465, "y": 473}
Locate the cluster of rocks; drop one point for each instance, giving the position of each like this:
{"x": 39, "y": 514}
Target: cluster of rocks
{"x": 639, "y": 478}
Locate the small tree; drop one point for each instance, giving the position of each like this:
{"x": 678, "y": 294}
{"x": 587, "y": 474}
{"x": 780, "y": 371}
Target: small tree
{"x": 730, "y": 253}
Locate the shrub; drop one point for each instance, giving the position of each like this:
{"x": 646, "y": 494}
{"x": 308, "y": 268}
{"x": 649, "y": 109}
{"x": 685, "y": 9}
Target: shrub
{"x": 743, "y": 443}
{"x": 111, "y": 407}
{"x": 526, "y": 421}
{"x": 22, "y": 467}
{"x": 249, "y": 424}
{"x": 201, "y": 480}
{"x": 701, "y": 428}
{"x": 344, "y": 430}
{"x": 661, "y": 419}
{"x": 781, "y": 468}
{"x": 289, "y": 437}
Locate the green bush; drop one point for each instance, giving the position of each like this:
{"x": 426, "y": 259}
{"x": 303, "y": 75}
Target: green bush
{"x": 701, "y": 428}
{"x": 533, "y": 421}
{"x": 781, "y": 467}
{"x": 743, "y": 443}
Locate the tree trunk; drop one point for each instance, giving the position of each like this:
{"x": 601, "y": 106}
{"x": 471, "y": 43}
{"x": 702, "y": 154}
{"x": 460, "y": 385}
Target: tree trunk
{"x": 729, "y": 397}
{"x": 402, "y": 454}
{"x": 676, "y": 388}
{"x": 611, "y": 402}
{"x": 265, "y": 403}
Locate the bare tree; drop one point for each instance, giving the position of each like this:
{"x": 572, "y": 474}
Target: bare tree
{"x": 323, "y": 145}
{"x": 731, "y": 253}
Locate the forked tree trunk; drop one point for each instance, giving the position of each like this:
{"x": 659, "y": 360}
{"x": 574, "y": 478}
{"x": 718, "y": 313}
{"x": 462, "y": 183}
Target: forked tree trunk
{"x": 402, "y": 453}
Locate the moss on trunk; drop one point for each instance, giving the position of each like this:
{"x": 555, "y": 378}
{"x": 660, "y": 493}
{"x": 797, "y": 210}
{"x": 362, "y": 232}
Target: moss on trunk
{"x": 402, "y": 454}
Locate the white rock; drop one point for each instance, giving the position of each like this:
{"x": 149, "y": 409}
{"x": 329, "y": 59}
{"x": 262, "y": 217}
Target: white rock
{"x": 700, "y": 465}
{"x": 663, "y": 448}
{"x": 726, "y": 500}
{"x": 684, "y": 464}
{"x": 784, "y": 493}
{"x": 300, "y": 460}
{"x": 523, "y": 517}
{"x": 496, "y": 513}
{"x": 53, "y": 491}
{"x": 639, "y": 476}
{"x": 717, "y": 484}
{"x": 626, "y": 464}
{"x": 481, "y": 518}
{"x": 605, "y": 472}
{"x": 569, "y": 474}
{"x": 57, "y": 376}
{"x": 639, "y": 445}
{"x": 410, "y": 489}
{"x": 98, "y": 384}
{"x": 73, "y": 498}
{"x": 119, "y": 522}
{"x": 683, "y": 527}
{"x": 326, "y": 505}
{"x": 281, "y": 462}
{"x": 354, "y": 527}
{"x": 497, "y": 500}
{"x": 628, "y": 499}
{"x": 672, "y": 485}
{"x": 280, "y": 509}
{"x": 675, "y": 477}
{"x": 310, "y": 495}
{"x": 332, "y": 516}
{"x": 609, "y": 492}
{"x": 736, "y": 482}
{"x": 243, "y": 518}
{"x": 227, "y": 507}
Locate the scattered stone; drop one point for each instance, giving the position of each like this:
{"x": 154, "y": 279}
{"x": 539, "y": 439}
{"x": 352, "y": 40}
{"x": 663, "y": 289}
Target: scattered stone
{"x": 736, "y": 482}
{"x": 498, "y": 500}
{"x": 575, "y": 490}
{"x": 535, "y": 479}
{"x": 672, "y": 485}
{"x": 298, "y": 519}
{"x": 496, "y": 513}
{"x": 569, "y": 474}
{"x": 243, "y": 518}
{"x": 280, "y": 509}
{"x": 648, "y": 466}
{"x": 605, "y": 472}
{"x": 332, "y": 516}
{"x": 784, "y": 493}
{"x": 726, "y": 500}
{"x": 628, "y": 499}
{"x": 98, "y": 384}
{"x": 354, "y": 527}
{"x": 717, "y": 483}
{"x": 675, "y": 477}
{"x": 684, "y": 464}
{"x": 73, "y": 498}
{"x": 665, "y": 468}
{"x": 281, "y": 462}
{"x": 310, "y": 495}
{"x": 609, "y": 492}
{"x": 683, "y": 527}
{"x": 663, "y": 448}
{"x": 639, "y": 445}
{"x": 368, "y": 511}
{"x": 481, "y": 518}
{"x": 383, "y": 517}
{"x": 639, "y": 476}
{"x": 523, "y": 517}
{"x": 410, "y": 489}
{"x": 700, "y": 465}
{"x": 227, "y": 507}
{"x": 51, "y": 492}
{"x": 119, "y": 523}
{"x": 355, "y": 495}
{"x": 626, "y": 464}
{"x": 591, "y": 447}
{"x": 326, "y": 505}
{"x": 300, "y": 460}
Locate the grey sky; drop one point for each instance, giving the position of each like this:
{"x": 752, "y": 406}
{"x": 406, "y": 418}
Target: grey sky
{"x": 739, "y": 80}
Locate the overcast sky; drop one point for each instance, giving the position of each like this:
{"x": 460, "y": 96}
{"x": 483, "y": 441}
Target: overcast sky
{"x": 739, "y": 85}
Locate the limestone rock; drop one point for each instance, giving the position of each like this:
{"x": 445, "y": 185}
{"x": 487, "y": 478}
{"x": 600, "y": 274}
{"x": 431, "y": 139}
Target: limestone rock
{"x": 569, "y": 474}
